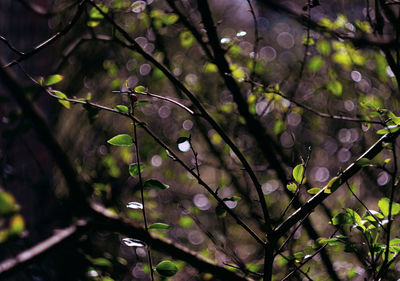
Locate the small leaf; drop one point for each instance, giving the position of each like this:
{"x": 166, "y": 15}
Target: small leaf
{"x": 17, "y": 225}
{"x": 102, "y": 262}
{"x": 185, "y": 222}
{"x": 134, "y": 170}
{"x": 121, "y": 140}
{"x": 61, "y": 95}
{"x": 8, "y": 206}
{"x": 335, "y": 87}
{"x": 53, "y": 79}
{"x": 314, "y": 190}
{"x": 363, "y": 162}
{"x": 140, "y": 89}
{"x": 298, "y": 173}
{"x": 389, "y": 129}
{"x": 134, "y": 205}
{"x": 159, "y": 225}
{"x": 122, "y": 108}
{"x": 279, "y": 127}
{"x": 384, "y": 204}
{"x": 166, "y": 268}
{"x": 153, "y": 183}
{"x": 292, "y": 187}
{"x": 334, "y": 184}
{"x": 315, "y": 64}
{"x": 342, "y": 219}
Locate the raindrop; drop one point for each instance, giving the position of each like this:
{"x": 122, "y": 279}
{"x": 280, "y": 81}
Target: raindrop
{"x": 285, "y": 40}
{"x": 134, "y": 205}
{"x": 241, "y": 33}
{"x": 130, "y": 242}
{"x": 231, "y": 204}
{"x": 225, "y": 40}
{"x": 293, "y": 119}
{"x": 187, "y": 125}
{"x": 270, "y": 186}
{"x": 268, "y": 53}
{"x": 184, "y": 146}
{"x": 156, "y": 161}
{"x": 201, "y": 201}
{"x": 356, "y": 76}
{"x": 349, "y": 105}
{"x": 321, "y": 174}
{"x": 196, "y": 237}
{"x": 145, "y": 69}
{"x": 164, "y": 111}
{"x": 138, "y": 6}
{"x": 383, "y": 178}
{"x": 344, "y": 155}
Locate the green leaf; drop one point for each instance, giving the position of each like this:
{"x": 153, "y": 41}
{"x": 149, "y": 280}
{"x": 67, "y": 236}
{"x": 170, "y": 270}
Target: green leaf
{"x": 315, "y": 64}
{"x": 292, "y": 187}
{"x": 53, "y": 79}
{"x": 153, "y": 183}
{"x": 324, "y": 47}
{"x": 134, "y": 170}
{"x": 95, "y": 14}
{"x": 384, "y": 204}
{"x": 102, "y": 262}
{"x": 389, "y": 129}
{"x": 166, "y": 268}
{"x": 342, "y": 219}
{"x": 279, "y": 127}
{"x": 335, "y": 87}
{"x": 159, "y": 225}
{"x": 8, "y": 206}
{"x": 334, "y": 184}
{"x": 65, "y": 103}
{"x": 121, "y": 140}
{"x": 298, "y": 174}
{"x": 187, "y": 39}
{"x": 17, "y": 225}
{"x": 122, "y": 108}
{"x": 185, "y": 222}
{"x": 314, "y": 190}
{"x": 363, "y": 162}
{"x": 140, "y": 89}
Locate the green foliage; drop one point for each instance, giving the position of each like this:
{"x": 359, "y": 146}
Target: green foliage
{"x": 153, "y": 183}
{"x": 134, "y": 169}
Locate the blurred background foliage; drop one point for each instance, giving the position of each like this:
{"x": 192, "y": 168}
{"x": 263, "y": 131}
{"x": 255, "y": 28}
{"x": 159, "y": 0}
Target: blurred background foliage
{"x": 273, "y": 57}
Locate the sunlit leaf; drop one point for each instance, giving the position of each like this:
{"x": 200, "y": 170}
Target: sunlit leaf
{"x": 292, "y": 187}
{"x": 335, "y": 87}
{"x": 140, "y": 89}
{"x": 315, "y": 64}
{"x": 8, "y": 205}
{"x": 384, "y": 204}
{"x": 324, "y": 47}
{"x": 314, "y": 190}
{"x": 61, "y": 95}
{"x": 121, "y": 140}
{"x": 298, "y": 173}
{"x": 53, "y": 79}
{"x": 122, "y": 108}
{"x": 187, "y": 39}
{"x": 185, "y": 222}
